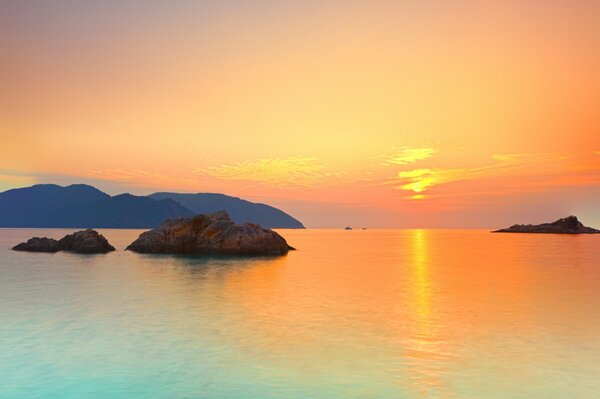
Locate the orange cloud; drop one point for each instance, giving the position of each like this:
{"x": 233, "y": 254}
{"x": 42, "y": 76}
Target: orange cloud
{"x": 513, "y": 157}
{"x": 142, "y": 178}
{"x": 277, "y": 172}
{"x": 419, "y": 180}
{"x": 9, "y": 180}
{"x": 530, "y": 172}
{"x": 408, "y": 155}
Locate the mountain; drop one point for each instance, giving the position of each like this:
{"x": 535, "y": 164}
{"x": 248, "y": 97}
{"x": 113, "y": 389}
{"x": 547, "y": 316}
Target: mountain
{"x": 239, "y": 210}
{"x": 80, "y": 205}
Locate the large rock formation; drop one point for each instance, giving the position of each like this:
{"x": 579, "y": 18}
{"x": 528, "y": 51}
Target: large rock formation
{"x": 568, "y": 225}
{"x": 210, "y": 234}
{"x": 84, "y": 242}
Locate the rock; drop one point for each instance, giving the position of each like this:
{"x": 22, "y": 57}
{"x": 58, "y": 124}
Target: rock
{"x": 568, "y": 225}
{"x": 213, "y": 233}
{"x": 39, "y": 244}
{"x": 86, "y": 242}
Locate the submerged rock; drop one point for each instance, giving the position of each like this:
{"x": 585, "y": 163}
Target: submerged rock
{"x": 85, "y": 242}
{"x": 213, "y": 233}
{"x": 568, "y": 225}
{"x": 38, "y": 244}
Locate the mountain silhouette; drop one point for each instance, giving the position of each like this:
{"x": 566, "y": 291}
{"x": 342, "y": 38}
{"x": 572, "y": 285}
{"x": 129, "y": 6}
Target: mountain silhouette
{"x": 240, "y": 211}
{"x": 83, "y": 206}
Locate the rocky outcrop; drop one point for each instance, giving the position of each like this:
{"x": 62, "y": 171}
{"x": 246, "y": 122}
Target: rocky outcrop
{"x": 568, "y": 225}
{"x": 84, "y": 242}
{"x": 210, "y": 234}
{"x": 39, "y": 244}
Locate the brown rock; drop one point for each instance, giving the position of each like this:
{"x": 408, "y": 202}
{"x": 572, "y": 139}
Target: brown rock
{"x": 38, "y": 244}
{"x": 210, "y": 234}
{"x": 86, "y": 242}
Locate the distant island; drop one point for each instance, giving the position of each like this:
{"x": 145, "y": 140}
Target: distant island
{"x": 568, "y": 225}
{"x": 84, "y": 206}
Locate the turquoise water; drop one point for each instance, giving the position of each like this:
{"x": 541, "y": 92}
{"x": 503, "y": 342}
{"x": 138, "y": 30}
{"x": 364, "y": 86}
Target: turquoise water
{"x": 351, "y": 314}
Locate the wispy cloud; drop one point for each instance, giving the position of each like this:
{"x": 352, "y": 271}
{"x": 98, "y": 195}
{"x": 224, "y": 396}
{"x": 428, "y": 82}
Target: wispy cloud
{"x": 119, "y": 174}
{"x": 10, "y": 179}
{"x": 278, "y": 172}
{"x": 141, "y": 178}
{"x": 512, "y": 157}
{"x": 535, "y": 169}
{"x": 419, "y": 180}
{"x": 408, "y": 155}
{"x": 597, "y": 152}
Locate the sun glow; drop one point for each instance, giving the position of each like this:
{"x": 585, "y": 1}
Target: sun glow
{"x": 459, "y": 106}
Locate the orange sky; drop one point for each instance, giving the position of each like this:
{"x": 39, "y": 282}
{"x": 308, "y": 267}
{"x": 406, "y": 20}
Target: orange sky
{"x": 409, "y": 114}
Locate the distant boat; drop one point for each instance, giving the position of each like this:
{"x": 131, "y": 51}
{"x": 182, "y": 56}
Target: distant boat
{"x": 348, "y": 228}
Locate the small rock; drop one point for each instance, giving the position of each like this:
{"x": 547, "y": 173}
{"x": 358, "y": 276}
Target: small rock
{"x": 86, "y": 242}
{"x": 39, "y": 244}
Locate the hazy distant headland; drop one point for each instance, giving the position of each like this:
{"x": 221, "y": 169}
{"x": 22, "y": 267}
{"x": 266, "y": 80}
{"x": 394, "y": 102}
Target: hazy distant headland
{"x": 81, "y": 205}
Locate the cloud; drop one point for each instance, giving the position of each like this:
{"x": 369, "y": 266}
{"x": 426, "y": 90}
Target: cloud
{"x": 10, "y": 179}
{"x": 522, "y": 158}
{"x": 520, "y": 171}
{"x": 278, "y": 172}
{"x": 512, "y": 157}
{"x": 408, "y": 155}
{"x": 419, "y": 180}
{"x": 119, "y": 174}
{"x": 597, "y": 152}
{"x": 141, "y": 178}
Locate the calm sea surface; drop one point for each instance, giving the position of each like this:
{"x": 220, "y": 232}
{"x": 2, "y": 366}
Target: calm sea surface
{"x": 351, "y": 314}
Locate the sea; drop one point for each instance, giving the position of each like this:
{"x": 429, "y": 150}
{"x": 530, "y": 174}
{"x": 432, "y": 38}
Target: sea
{"x": 350, "y": 314}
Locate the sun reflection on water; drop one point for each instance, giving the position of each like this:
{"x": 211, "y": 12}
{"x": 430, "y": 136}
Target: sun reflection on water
{"x": 421, "y": 284}
{"x": 424, "y": 346}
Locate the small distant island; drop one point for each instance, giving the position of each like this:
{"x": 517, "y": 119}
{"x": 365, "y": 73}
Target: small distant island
{"x": 568, "y": 225}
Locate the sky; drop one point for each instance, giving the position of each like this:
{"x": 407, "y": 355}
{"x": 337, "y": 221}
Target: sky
{"x": 416, "y": 114}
